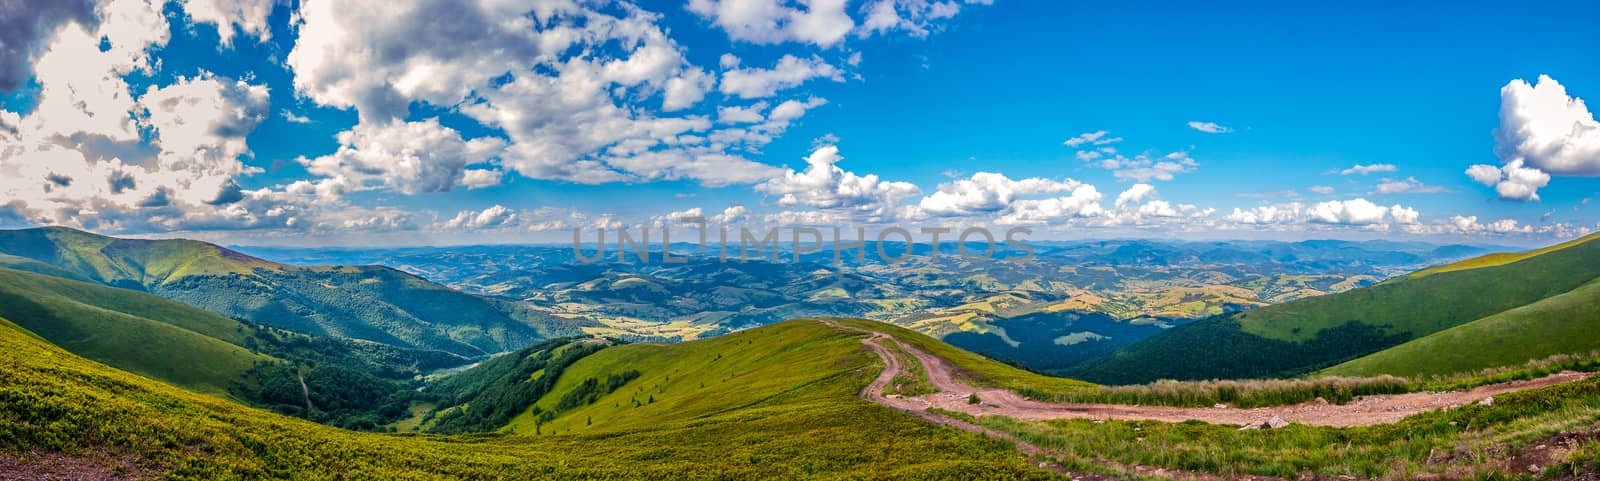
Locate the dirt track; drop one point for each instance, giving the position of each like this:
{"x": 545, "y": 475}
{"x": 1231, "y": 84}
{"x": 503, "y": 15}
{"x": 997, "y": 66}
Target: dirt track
{"x": 1369, "y": 410}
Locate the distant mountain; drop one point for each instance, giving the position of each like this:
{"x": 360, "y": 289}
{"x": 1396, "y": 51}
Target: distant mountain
{"x": 372, "y": 303}
{"x": 1074, "y": 301}
{"x": 1527, "y": 299}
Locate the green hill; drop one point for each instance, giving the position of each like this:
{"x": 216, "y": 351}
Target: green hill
{"x": 63, "y": 410}
{"x": 1301, "y": 336}
{"x": 372, "y": 303}
{"x": 1568, "y": 323}
{"x": 186, "y": 346}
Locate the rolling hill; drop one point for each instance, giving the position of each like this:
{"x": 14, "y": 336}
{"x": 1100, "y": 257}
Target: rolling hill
{"x": 140, "y": 333}
{"x": 66, "y": 412}
{"x": 180, "y": 344}
{"x": 1507, "y": 291}
{"x": 371, "y": 303}
{"x": 1568, "y": 323}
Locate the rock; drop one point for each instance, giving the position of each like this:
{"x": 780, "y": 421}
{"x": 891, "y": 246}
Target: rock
{"x": 1275, "y": 423}
{"x": 1320, "y": 401}
{"x": 1248, "y": 427}
{"x": 1220, "y": 406}
{"x": 1533, "y": 468}
{"x": 1488, "y": 401}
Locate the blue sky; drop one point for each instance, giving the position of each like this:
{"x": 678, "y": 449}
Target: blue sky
{"x": 461, "y": 121}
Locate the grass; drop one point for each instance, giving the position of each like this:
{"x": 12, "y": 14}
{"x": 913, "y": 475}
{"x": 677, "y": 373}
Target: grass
{"x": 1562, "y": 324}
{"x": 913, "y": 377}
{"x": 145, "y": 334}
{"x": 1500, "y": 258}
{"x": 1241, "y": 394}
{"x": 57, "y": 402}
{"x": 1466, "y": 441}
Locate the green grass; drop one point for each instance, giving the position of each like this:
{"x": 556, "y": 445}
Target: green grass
{"x": 913, "y": 377}
{"x": 144, "y": 334}
{"x": 1500, "y": 258}
{"x": 59, "y": 402}
{"x": 1563, "y": 324}
{"x": 371, "y": 303}
{"x": 972, "y": 367}
{"x": 1303, "y": 336}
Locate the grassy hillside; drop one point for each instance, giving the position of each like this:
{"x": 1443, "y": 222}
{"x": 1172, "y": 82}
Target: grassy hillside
{"x": 1564, "y": 324}
{"x": 1500, "y": 258}
{"x": 363, "y": 302}
{"x": 1308, "y": 334}
{"x": 140, "y": 333}
{"x": 63, "y": 409}
{"x": 758, "y": 370}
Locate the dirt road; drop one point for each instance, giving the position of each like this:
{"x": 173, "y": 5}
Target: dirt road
{"x": 1379, "y": 409}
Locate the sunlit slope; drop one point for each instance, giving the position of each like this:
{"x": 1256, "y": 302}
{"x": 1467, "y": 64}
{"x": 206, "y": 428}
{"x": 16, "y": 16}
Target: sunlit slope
{"x": 1564, "y": 324}
{"x": 1501, "y": 258}
{"x": 1308, "y": 334}
{"x": 372, "y": 303}
{"x": 59, "y": 402}
{"x": 758, "y": 372}
{"x": 138, "y": 332}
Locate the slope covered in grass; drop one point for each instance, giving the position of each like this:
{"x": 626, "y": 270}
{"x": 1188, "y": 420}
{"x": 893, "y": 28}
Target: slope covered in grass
{"x": 1301, "y": 336}
{"x": 144, "y": 334}
{"x": 372, "y": 303}
{"x": 1564, "y": 324}
{"x": 758, "y": 370}
{"x": 57, "y": 402}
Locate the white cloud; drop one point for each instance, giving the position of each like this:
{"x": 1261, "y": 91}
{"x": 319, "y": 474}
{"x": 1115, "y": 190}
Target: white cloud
{"x": 790, "y": 71}
{"x": 25, "y": 26}
{"x": 492, "y": 217}
{"x": 1543, "y": 131}
{"x": 1408, "y": 185}
{"x": 1365, "y": 169}
{"x": 825, "y": 186}
{"x": 1470, "y": 225}
{"x": 230, "y": 16}
{"x": 987, "y": 192}
{"x": 1352, "y": 212}
{"x": 1511, "y": 181}
{"x": 1209, "y": 127}
{"x": 1084, "y": 201}
{"x": 1144, "y": 168}
{"x": 916, "y": 17}
{"x": 1547, "y": 129}
{"x": 820, "y": 22}
{"x": 409, "y": 157}
{"x": 1322, "y": 189}
{"x": 293, "y": 117}
{"x": 1097, "y": 137}
{"x": 1266, "y": 214}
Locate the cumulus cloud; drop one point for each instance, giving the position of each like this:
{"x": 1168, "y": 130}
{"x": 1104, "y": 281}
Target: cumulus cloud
{"x": 1364, "y": 169}
{"x": 1470, "y": 225}
{"x": 987, "y": 192}
{"x": 1512, "y": 181}
{"x": 566, "y": 83}
{"x": 26, "y": 25}
{"x": 1543, "y": 132}
{"x": 1547, "y": 129}
{"x": 1209, "y": 127}
{"x": 1322, "y": 189}
{"x": 1353, "y": 212}
{"x": 1082, "y": 202}
{"x": 789, "y": 72}
{"x": 825, "y": 186}
{"x": 409, "y": 157}
{"x": 819, "y": 22}
{"x": 231, "y": 16}
{"x": 492, "y": 217}
{"x": 1145, "y": 168}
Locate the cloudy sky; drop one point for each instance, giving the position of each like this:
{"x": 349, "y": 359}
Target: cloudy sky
{"x": 432, "y": 121}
